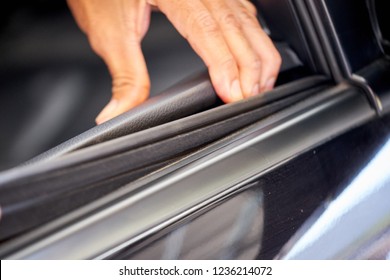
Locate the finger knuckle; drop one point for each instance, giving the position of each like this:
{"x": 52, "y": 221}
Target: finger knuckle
{"x": 248, "y": 18}
{"x": 255, "y": 64}
{"x": 278, "y": 59}
{"x": 203, "y": 22}
{"x": 121, "y": 82}
{"x": 227, "y": 63}
{"x": 251, "y": 8}
{"x": 230, "y": 21}
{"x": 275, "y": 62}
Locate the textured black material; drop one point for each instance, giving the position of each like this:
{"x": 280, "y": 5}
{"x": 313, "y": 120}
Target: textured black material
{"x": 189, "y": 97}
{"x": 64, "y": 184}
{"x": 144, "y": 139}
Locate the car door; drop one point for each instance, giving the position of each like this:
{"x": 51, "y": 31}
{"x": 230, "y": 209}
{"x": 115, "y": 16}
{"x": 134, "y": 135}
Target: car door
{"x": 183, "y": 176}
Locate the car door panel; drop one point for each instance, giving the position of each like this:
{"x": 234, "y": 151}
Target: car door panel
{"x": 275, "y": 154}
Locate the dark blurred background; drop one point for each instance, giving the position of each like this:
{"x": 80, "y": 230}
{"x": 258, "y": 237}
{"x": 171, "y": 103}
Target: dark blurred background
{"x": 52, "y": 85}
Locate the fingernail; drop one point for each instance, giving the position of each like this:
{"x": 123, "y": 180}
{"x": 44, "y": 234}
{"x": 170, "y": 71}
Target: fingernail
{"x": 235, "y": 91}
{"x": 107, "y": 112}
{"x": 269, "y": 85}
{"x": 256, "y": 89}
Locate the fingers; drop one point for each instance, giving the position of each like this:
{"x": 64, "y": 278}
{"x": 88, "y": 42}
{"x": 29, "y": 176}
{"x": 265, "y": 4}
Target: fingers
{"x": 130, "y": 80}
{"x": 193, "y": 20}
{"x": 262, "y": 44}
{"x": 241, "y": 59}
{"x": 115, "y": 29}
{"x": 121, "y": 50}
{"x": 247, "y": 59}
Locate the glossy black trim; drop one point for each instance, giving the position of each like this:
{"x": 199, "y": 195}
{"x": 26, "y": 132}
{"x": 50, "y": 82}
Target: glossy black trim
{"x": 365, "y": 73}
{"x": 195, "y": 184}
{"x": 127, "y": 159}
{"x": 346, "y": 225}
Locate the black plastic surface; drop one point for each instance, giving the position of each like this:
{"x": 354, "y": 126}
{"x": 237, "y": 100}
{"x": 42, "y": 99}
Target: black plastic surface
{"x": 189, "y": 97}
{"x": 352, "y": 22}
{"x": 285, "y": 23}
{"x": 383, "y": 20}
{"x": 316, "y": 176}
{"x": 69, "y": 182}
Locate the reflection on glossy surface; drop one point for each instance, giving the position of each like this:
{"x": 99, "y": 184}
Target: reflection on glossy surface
{"x": 377, "y": 249}
{"x": 231, "y": 230}
{"x": 355, "y": 222}
{"x": 296, "y": 189}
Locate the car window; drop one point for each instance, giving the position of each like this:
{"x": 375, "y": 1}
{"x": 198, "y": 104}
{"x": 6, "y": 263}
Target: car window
{"x": 53, "y": 85}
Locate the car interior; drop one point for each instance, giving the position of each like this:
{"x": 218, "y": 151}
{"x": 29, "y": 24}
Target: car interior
{"x": 54, "y": 157}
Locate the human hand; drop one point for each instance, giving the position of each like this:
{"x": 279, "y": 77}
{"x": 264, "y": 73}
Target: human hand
{"x": 241, "y": 59}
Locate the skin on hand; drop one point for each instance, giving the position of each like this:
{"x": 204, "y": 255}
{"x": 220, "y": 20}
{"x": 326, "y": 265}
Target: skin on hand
{"x": 241, "y": 59}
